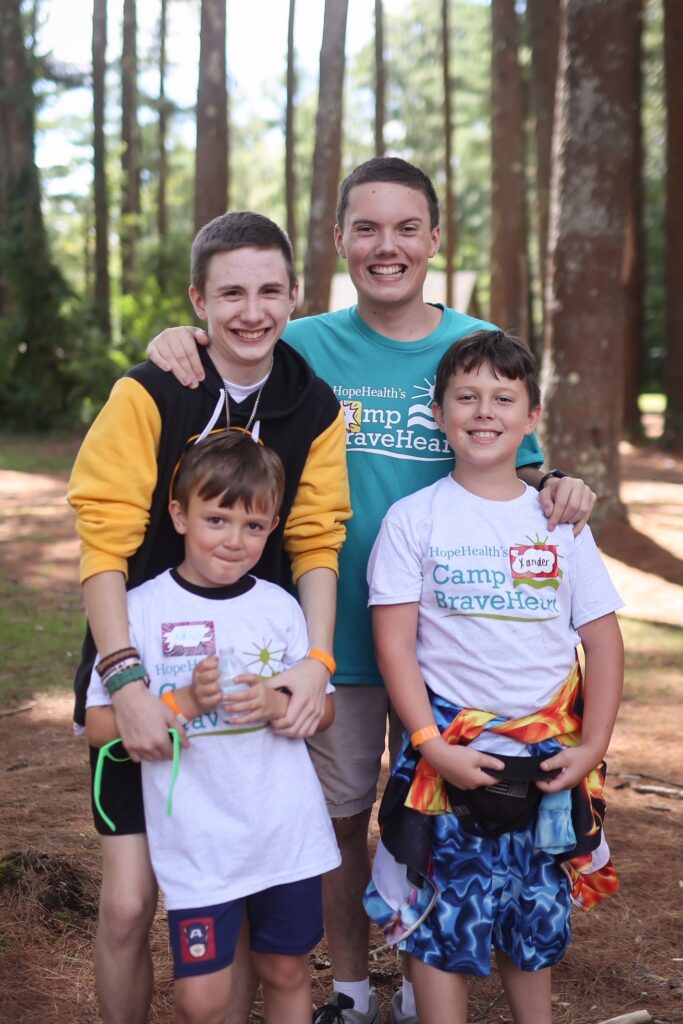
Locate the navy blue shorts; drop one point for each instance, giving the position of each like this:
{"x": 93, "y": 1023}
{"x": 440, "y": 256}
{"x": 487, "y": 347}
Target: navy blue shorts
{"x": 492, "y": 892}
{"x": 286, "y": 920}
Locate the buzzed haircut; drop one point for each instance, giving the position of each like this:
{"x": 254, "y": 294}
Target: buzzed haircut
{"x": 391, "y": 169}
{"x": 506, "y": 355}
{"x": 237, "y": 230}
{"x": 231, "y": 464}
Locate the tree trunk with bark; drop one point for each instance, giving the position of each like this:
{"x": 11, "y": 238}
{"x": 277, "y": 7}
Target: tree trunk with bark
{"x": 673, "y": 373}
{"x": 543, "y": 18}
{"x": 290, "y": 135}
{"x": 33, "y": 340}
{"x": 102, "y": 288}
{"x": 320, "y": 254}
{"x": 211, "y": 165}
{"x": 380, "y": 79}
{"x": 509, "y": 265}
{"x": 586, "y": 301}
{"x": 634, "y": 264}
{"x": 449, "y": 222}
{"x": 130, "y": 149}
{"x": 162, "y": 168}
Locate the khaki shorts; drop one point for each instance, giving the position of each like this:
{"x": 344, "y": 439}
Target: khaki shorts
{"x": 348, "y": 756}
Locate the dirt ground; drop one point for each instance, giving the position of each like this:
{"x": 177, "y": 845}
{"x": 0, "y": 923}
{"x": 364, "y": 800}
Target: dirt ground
{"x": 626, "y": 955}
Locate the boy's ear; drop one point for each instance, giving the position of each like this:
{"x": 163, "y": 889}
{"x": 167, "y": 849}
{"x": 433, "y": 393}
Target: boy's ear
{"x": 293, "y": 296}
{"x": 276, "y": 520}
{"x": 437, "y": 413}
{"x": 197, "y": 301}
{"x": 178, "y": 517}
{"x": 534, "y": 417}
{"x": 339, "y": 241}
{"x": 435, "y": 241}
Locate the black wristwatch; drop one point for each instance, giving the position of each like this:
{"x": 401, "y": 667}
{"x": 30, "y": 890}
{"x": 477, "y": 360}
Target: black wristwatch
{"x": 551, "y": 473}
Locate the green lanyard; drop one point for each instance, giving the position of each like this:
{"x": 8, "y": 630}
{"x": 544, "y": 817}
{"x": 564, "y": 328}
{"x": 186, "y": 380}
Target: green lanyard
{"x": 105, "y": 752}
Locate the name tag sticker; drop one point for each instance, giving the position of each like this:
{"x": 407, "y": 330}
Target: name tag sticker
{"x": 534, "y": 562}
{"x": 179, "y": 638}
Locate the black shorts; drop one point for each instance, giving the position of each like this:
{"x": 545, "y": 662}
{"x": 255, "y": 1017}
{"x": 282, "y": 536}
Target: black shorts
{"x": 120, "y": 796}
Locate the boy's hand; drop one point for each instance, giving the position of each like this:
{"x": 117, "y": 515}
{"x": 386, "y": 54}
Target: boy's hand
{"x": 575, "y": 762}
{"x": 567, "y": 500}
{"x": 463, "y": 767}
{"x": 143, "y": 721}
{"x": 175, "y": 350}
{"x": 257, "y": 704}
{"x": 308, "y": 681}
{"x": 206, "y": 692}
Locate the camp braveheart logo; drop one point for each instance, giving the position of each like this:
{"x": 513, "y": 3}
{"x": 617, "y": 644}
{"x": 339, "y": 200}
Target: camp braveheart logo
{"x": 535, "y": 564}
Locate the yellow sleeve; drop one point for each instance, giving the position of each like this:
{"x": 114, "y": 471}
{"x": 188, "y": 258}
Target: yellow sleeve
{"x": 315, "y": 531}
{"x": 113, "y": 479}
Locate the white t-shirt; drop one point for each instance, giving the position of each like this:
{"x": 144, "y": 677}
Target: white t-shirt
{"x": 500, "y": 596}
{"x": 248, "y": 810}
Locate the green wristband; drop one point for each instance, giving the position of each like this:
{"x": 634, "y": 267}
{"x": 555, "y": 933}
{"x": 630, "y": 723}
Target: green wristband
{"x": 127, "y": 675}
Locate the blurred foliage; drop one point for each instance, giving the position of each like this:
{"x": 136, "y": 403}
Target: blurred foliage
{"x": 55, "y": 369}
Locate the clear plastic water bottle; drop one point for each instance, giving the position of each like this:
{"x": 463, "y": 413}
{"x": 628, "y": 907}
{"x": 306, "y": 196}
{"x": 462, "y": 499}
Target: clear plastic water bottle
{"x": 229, "y": 666}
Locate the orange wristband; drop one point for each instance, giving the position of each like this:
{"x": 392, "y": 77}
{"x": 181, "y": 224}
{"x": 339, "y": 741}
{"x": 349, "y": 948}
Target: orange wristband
{"x": 429, "y": 732}
{"x": 324, "y": 658}
{"x": 169, "y": 700}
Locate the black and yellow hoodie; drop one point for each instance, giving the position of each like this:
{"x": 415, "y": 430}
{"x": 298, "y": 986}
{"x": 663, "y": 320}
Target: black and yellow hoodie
{"x": 120, "y": 482}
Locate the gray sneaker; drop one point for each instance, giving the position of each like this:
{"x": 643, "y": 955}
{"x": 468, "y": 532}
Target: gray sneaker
{"x": 396, "y": 1016}
{"x": 339, "y": 1010}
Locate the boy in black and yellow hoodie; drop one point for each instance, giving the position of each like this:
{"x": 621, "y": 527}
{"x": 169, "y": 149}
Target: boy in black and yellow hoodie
{"x": 244, "y": 285}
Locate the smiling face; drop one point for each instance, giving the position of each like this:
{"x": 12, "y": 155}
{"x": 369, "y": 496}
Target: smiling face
{"x": 247, "y": 300}
{"x": 221, "y": 544}
{"x": 387, "y": 241}
{"x": 485, "y": 418}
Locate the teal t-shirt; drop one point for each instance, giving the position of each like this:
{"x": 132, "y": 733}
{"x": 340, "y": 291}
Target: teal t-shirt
{"x": 393, "y": 445}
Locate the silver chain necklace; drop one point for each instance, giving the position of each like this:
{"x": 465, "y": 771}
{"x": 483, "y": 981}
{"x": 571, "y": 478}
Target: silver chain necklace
{"x": 254, "y": 410}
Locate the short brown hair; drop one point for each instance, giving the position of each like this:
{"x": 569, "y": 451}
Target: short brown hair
{"x": 231, "y": 464}
{"x": 506, "y": 355}
{"x": 237, "y": 230}
{"x": 390, "y": 169}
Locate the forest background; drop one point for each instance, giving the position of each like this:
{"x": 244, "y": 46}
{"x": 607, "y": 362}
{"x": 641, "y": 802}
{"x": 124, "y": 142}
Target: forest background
{"x": 552, "y": 130}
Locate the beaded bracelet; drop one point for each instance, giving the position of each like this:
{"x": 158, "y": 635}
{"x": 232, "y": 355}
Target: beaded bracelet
{"x": 420, "y": 736}
{"x": 117, "y": 667}
{"x": 109, "y": 660}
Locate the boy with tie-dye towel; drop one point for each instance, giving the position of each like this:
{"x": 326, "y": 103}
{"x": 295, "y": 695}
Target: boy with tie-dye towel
{"x": 492, "y": 821}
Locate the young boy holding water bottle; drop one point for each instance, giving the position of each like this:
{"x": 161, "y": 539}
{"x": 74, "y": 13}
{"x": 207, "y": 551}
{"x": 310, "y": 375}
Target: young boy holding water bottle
{"x": 249, "y": 827}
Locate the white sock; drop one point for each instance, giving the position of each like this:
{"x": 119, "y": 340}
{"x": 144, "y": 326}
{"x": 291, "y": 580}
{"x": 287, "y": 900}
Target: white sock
{"x": 408, "y": 1008}
{"x": 358, "y": 990}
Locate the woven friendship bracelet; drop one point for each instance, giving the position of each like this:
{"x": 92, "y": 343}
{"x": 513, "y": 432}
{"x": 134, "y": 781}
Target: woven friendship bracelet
{"x": 110, "y": 660}
{"x": 428, "y": 732}
{"x": 119, "y": 666}
{"x": 127, "y": 675}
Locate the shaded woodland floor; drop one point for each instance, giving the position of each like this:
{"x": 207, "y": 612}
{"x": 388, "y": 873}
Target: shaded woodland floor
{"x": 626, "y": 955}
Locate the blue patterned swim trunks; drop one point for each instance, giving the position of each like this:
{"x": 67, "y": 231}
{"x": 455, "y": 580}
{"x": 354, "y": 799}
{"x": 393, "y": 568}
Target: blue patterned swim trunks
{"x": 492, "y": 892}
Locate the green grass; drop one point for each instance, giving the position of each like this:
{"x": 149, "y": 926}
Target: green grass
{"x": 39, "y": 454}
{"x": 654, "y": 656}
{"x": 40, "y": 641}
